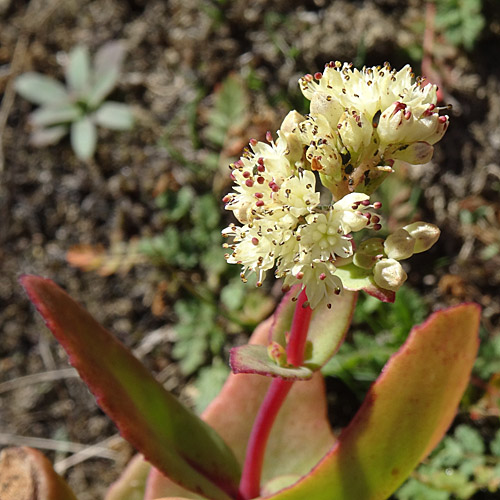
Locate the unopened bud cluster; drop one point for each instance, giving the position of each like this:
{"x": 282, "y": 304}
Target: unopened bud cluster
{"x": 360, "y": 123}
{"x": 382, "y": 257}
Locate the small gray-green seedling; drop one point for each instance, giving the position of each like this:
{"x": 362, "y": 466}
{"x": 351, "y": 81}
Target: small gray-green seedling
{"x": 79, "y": 106}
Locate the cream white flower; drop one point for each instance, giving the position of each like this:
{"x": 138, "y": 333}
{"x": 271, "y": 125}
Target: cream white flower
{"x": 361, "y": 121}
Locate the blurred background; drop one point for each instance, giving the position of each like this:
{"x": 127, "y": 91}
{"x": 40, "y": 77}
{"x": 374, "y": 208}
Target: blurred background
{"x": 127, "y": 216}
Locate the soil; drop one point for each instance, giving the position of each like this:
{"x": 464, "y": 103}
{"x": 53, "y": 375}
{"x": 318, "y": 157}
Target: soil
{"x": 177, "y": 51}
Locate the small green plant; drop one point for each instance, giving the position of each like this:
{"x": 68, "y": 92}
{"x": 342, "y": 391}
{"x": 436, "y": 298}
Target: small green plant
{"x": 458, "y": 468}
{"x": 461, "y": 21}
{"x": 80, "y": 106}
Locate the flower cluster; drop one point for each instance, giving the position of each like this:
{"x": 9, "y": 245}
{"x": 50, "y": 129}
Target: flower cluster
{"x": 360, "y": 123}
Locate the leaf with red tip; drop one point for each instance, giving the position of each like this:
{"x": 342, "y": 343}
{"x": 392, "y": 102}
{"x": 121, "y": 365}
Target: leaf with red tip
{"x": 26, "y": 473}
{"x": 404, "y": 415}
{"x": 170, "y": 436}
{"x": 255, "y": 359}
{"x": 301, "y": 434}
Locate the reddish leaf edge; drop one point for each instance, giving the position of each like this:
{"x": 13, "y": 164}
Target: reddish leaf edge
{"x": 368, "y": 402}
{"x": 30, "y": 285}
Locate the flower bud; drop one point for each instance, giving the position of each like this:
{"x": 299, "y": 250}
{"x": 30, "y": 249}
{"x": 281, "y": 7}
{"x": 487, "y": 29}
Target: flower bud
{"x": 399, "y": 245}
{"x": 277, "y": 353}
{"x": 328, "y": 106}
{"x": 369, "y": 252}
{"x": 424, "y": 234}
{"x": 290, "y": 133}
{"x": 355, "y": 130}
{"x": 389, "y": 274}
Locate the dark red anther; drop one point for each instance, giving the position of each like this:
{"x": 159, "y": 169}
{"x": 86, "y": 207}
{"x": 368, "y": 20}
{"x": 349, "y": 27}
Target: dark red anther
{"x": 318, "y": 75}
{"x": 227, "y": 198}
{"x": 249, "y": 183}
{"x": 443, "y": 119}
{"x": 399, "y": 106}
{"x": 322, "y": 276}
{"x": 259, "y": 203}
{"x": 246, "y": 174}
{"x": 260, "y": 179}
{"x": 258, "y": 195}
{"x": 377, "y": 227}
{"x": 261, "y": 168}
{"x": 377, "y": 205}
{"x": 365, "y": 203}
{"x": 255, "y": 241}
{"x": 375, "y": 219}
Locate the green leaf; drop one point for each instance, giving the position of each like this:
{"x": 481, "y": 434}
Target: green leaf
{"x": 495, "y": 444}
{"x": 115, "y": 116}
{"x": 40, "y": 89}
{"x": 47, "y": 136}
{"x": 404, "y": 415}
{"x": 301, "y": 434}
{"x": 107, "y": 68}
{"x": 26, "y": 473}
{"x": 55, "y": 114}
{"x": 355, "y": 278}
{"x": 230, "y": 108}
{"x": 83, "y": 138}
{"x": 255, "y": 359}
{"x": 78, "y": 69}
{"x": 169, "y": 435}
{"x": 209, "y": 383}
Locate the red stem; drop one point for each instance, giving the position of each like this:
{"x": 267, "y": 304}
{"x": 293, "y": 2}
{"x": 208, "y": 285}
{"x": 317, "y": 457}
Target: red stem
{"x": 275, "y": 396}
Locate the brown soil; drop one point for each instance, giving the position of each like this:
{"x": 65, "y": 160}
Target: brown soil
{"x": 177, "y": 50}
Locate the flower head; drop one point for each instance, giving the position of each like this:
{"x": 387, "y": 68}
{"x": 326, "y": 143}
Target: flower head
{"x": 360, "y": 123}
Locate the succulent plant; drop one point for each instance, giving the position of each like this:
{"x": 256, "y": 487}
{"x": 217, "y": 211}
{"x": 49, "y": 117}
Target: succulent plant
{"x": 80, "y": 106}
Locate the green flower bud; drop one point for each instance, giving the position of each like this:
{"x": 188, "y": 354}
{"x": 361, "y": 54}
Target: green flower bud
{"x": 399, "y": 245}
{"x": 369, "y": 252}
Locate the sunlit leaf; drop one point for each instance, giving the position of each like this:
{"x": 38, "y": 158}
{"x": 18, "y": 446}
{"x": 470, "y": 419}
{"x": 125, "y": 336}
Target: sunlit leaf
{"x": 83, "y": 135}
{"x": 40, "y": 89}
{"x": 55, "y": 114}
{"x": 78, "y": 69}
{"x": 170, "y": 436}
{"x": 115, "y": 116}
{"x": 404, "y": 415}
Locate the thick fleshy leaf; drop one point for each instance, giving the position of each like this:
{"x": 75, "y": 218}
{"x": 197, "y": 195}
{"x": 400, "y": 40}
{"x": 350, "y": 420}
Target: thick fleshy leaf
{"x": 301, "y": 434}
{"x": 83, "y": 138}
{"x": 40, "y": 89}
{"x": 255, "y": 359}
{"x": 55, "y": 114}
{"x": 115, "y": 116}
{"x": 152, "y": 420}
{"x": 132, "y": 482}
{"x": 355, "y": 278}
{"x": 78, "y": 69}
{"x": 327, "y": 329}
{"x": 107, "y": 67}
{"x": 47, "y": 136}
{"x": 26, "y": 473}
{"x": 404, "y": 415}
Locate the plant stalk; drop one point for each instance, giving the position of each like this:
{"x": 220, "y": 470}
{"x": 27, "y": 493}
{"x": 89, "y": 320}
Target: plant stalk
{"x": 275, "y": 396}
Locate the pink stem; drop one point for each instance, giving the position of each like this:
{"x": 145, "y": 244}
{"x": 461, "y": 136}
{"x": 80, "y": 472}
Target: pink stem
{"x": 276, "y": 394}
